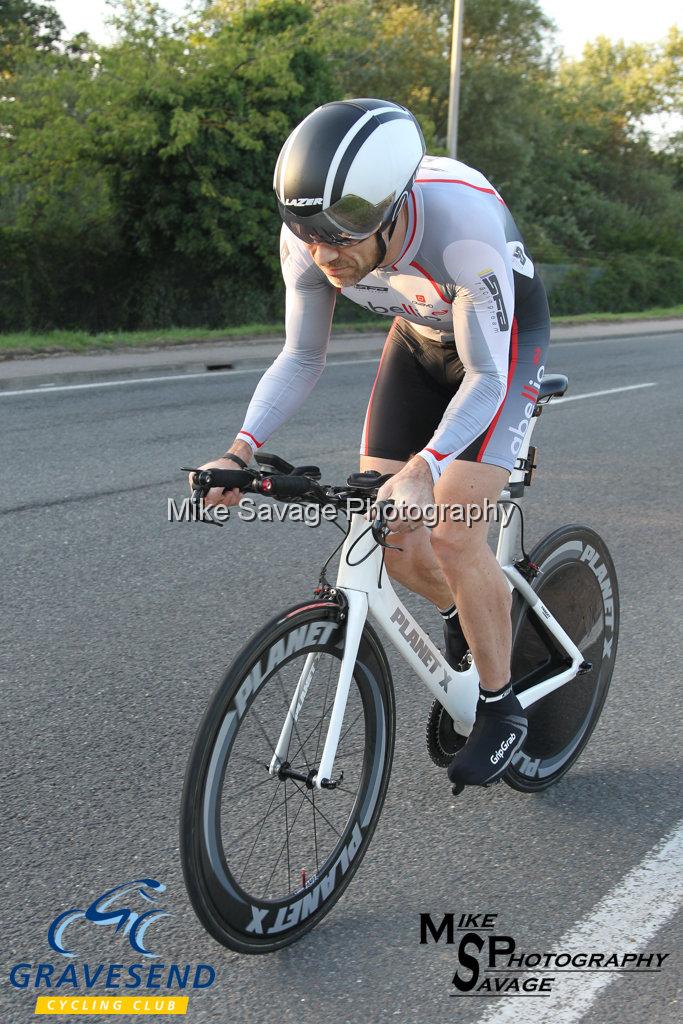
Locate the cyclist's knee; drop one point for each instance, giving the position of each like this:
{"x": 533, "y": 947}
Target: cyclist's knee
{"x": 393, "y": 564}
{"x": 399, "y": 564}
{"x": 454, "y": 539}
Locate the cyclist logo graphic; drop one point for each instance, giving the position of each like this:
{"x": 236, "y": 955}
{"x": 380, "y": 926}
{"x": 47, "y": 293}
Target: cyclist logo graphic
{"x": 107, "y": 909}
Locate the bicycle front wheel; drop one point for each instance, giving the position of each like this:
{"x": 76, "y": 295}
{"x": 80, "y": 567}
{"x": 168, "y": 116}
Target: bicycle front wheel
{"x": 265, "y": 857}
{"x": 578, "y": 585}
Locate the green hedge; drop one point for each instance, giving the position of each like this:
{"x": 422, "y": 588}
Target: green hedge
{"x": 623, "y": 283}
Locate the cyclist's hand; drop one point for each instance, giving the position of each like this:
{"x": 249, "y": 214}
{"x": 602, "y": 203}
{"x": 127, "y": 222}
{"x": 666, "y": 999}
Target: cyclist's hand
{"x": 410, "y": 489}
{"x": 217, "y": 495}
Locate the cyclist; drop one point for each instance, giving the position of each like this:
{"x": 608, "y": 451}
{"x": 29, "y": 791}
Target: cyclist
{"x": 431, "y": 243}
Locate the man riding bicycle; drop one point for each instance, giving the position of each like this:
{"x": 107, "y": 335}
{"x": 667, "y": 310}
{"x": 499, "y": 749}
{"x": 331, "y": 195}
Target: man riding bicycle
{"x": 430, "y": 242}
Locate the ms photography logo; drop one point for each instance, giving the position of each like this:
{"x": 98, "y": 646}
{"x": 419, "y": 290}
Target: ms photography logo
{"x": 128, "y": 911}
{"x": 490, "y": 965}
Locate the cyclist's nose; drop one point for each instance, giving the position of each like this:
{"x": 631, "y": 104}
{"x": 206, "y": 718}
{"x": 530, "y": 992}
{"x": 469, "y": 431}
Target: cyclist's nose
{"x": 326, "y": 254}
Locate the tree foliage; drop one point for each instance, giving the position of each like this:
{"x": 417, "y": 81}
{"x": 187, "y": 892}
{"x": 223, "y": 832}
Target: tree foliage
{"x": 135, "y": 178}
{"x": 24, "y": 23}
{"x": 152, "y": 160}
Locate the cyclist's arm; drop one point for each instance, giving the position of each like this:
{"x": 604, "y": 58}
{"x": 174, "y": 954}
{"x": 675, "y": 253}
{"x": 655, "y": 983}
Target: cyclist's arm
{"x": 308, "y": 319}
{"x": 482, "y": 326}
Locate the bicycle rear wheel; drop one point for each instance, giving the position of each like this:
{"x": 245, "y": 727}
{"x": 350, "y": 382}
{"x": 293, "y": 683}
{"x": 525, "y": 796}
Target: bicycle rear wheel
{"x": 578, "y": 585}
{"x": 265, "y": 857}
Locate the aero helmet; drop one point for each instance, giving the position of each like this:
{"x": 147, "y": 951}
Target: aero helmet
{"x": 344, "y": 173}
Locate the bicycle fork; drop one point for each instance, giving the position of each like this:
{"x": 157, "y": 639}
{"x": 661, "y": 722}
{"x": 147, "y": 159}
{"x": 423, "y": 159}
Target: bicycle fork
{"x": 357, "y": 614}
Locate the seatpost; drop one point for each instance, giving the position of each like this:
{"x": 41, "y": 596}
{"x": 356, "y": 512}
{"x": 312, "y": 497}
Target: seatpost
{"x": 509, "y": 536}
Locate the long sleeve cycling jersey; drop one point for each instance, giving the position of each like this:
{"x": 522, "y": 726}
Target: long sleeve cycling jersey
{"x": 461, "y": 279}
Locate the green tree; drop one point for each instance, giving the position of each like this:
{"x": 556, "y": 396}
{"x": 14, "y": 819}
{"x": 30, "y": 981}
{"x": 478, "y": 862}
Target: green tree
{"x": 26, "y": 23}
{"x": 189, "y": 126}
{"x": 135, "y": 178}
{"x": 629, "y": 197}
{"x": 152, "y": 159}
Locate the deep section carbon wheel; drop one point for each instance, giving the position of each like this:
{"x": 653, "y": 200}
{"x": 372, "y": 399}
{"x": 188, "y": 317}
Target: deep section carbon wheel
{"x": 578, "y": 585}
{"x": 266, "y": 856}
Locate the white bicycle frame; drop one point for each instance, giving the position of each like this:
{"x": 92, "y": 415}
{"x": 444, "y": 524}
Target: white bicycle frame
{"x": 367, "y": 595}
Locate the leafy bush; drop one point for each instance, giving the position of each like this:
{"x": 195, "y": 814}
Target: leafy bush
{"x": 624, "y": 283}
{"x": 135, "y": 178}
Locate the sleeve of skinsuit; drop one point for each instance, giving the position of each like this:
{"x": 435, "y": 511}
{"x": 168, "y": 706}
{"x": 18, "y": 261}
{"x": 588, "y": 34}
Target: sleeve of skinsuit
{"x": 285, "y": 385}
{"x": 483, "y": 309}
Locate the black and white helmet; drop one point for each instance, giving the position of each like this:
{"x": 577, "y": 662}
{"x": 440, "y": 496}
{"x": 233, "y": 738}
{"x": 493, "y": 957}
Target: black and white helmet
{"x": 345, "y": 171}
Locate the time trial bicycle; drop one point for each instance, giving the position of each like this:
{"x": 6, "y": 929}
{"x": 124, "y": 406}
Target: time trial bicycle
{"x": 291, "y": 762}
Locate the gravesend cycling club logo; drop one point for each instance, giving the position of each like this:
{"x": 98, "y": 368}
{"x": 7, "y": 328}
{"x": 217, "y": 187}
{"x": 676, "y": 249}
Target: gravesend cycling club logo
{"x": 105, "y": 910}
{"x": 126, "y": 913}
{"x": 492, "y": 964}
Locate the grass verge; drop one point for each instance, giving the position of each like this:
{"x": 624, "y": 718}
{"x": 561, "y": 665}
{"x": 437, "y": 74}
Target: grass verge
{"x": 26, "y": 344}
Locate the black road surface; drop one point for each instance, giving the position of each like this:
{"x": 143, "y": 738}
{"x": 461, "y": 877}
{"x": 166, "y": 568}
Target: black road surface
{"x": 117, "y": 625}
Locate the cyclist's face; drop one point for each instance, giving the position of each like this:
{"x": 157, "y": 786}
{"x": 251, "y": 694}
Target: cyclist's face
{"x": 346, "y": 265}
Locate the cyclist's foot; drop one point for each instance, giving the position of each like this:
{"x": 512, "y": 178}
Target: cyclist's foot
{"x": 454, "y": 638}
{"x": 499, "y": 731}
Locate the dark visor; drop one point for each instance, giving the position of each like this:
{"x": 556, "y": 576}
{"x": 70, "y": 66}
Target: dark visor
{"x": 346, "y": 222}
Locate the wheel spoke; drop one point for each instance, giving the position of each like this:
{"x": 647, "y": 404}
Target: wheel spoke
{"x": 247, "y": 757}
{"x": 263, "y": 782}
{"x": 265, "y": 818}
{"x": 317, "y": 810}
{"x": 347, "y": 753}
{"x": 306, "y": 739}
{"x": 343, "y": 789}
{"x": 281, "y": 851}
{"x": 352, "y": 753}
{"x": 350, "y": 726}
{"x": 270, "y": 743}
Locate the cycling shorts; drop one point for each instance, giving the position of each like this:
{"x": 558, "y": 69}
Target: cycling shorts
{"x": 418, "y": 377}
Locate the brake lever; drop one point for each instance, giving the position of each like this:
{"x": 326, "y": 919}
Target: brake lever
{"x": 380, "y": 529}
{"x": 197, "y": 494}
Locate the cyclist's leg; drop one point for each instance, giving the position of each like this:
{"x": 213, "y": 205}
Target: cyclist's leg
{"x": 474, "y": 577}
{"x": 477, "y": 475}
{"x": 483, "y": 600}
{"x": 476, "y": 580}
{"x": 404, "y": 409}
{"x": 415, "y": 566}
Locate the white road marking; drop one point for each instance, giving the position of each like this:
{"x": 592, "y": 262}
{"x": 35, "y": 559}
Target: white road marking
{"x": 48, "y": 388}
{"x": 45, "y": 389}
{"x": 670, "y": 335}
{"x": 609, "y": 391}
{"x": 623, "y": 922}
{"x": 673, "y": 334}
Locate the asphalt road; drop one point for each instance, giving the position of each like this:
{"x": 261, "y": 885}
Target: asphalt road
{"x": 116, "y": 626}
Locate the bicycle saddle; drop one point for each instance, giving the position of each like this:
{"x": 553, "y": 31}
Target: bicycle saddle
{"x": 552, "y": 386}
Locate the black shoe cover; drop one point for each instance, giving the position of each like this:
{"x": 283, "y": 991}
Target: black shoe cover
{"x": 454, "y": 641}
{"x": 490, "y": 747}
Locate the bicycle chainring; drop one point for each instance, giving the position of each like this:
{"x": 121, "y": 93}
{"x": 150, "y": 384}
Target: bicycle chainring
{"x": 443, "y": 742}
